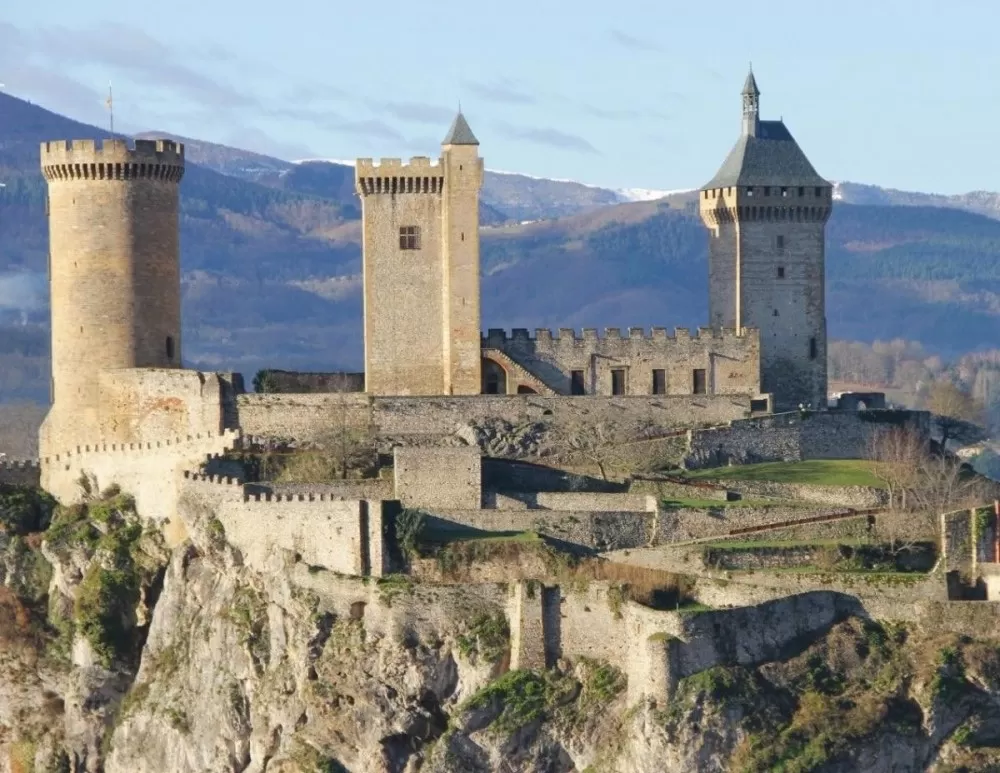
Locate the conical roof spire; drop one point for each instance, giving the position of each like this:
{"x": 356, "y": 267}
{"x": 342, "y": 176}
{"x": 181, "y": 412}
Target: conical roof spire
{"x": 750, "y": 85}
{"x": 460, "y": 133}
{"x": 751, "y": 105}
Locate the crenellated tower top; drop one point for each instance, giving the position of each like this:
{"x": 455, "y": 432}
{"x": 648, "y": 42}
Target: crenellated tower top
{"x": 112, "y": 159}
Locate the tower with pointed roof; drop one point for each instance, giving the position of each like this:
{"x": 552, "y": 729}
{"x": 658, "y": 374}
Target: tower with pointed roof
{"x": 420, "y": 244}
{"x": 766, "y": 211}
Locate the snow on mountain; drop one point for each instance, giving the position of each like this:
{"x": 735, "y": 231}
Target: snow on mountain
{"x": 645, "y": 194}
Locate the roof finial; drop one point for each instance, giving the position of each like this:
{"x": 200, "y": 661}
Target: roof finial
{"x": 751, "y": 105}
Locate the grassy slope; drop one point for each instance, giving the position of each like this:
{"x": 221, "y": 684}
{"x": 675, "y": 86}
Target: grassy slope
{"x": 824, "y": 472}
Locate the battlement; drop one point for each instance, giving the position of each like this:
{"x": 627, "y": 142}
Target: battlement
{"x": 391, "y": 175}
{"x": 20, "y": 472}
{"x": 141, "y": 449}
{"x": 497, "y": 337}
{"x": 112, "y": 159}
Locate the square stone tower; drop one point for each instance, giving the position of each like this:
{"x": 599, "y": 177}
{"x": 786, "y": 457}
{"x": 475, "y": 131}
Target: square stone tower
{"x": 766, "y": 211}
{"x": 420, "y": 247}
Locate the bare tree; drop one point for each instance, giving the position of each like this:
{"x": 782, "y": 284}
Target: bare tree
{"x": 897, "y": 454}
{"x": 957, "y": 415}
{"x": 919, "y": 479}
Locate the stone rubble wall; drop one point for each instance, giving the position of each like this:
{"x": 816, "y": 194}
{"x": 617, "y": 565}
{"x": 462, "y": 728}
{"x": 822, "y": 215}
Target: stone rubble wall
{"x": 797, "y": 436}
{"x": 310, "y": 417}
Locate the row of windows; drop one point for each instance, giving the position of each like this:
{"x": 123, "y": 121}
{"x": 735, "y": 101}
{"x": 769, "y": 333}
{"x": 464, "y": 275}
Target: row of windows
{"x": 618, "y": 387}
{"x": 782, "y": 191}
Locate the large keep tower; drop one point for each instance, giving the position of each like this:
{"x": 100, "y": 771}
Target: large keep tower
{"x": 421, "y": 270}
{"x": 766, "y": 209}
{"x": 114, "y": 272}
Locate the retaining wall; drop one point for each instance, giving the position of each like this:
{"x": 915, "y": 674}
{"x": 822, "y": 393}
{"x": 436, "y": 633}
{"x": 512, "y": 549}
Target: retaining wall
{"x": 796, "y": 436}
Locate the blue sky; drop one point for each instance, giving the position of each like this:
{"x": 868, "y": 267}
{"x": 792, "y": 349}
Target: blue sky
{"x": 901, "y": 93}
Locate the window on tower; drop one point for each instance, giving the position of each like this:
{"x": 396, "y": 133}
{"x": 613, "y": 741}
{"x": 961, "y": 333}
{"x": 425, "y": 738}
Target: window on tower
{"x": 409, "y": 237}
{"x": 659, "y": 381}
{"x": 781, "y": 272}
{"x": 819, "y": 192}
{"x": 750, "y": 191}
{"x": 802, "y": 191}
{"x": 767, "y": 191}
{"x": 779, "y": 241}
{"x": 813, "y": 349}
{"x": 784, "y": 191}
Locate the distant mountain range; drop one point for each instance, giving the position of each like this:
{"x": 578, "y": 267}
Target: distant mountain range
{"x": 271, "y": 259}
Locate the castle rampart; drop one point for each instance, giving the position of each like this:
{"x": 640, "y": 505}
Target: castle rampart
{"x": 15, "y": 472}
{"x": 710, "y": 361}
{"x": 321, "y": 529}
{"x": 112, "y": 159}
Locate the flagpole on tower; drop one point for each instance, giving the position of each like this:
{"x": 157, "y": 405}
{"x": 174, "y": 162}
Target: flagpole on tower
{"x": 111, "y": 109}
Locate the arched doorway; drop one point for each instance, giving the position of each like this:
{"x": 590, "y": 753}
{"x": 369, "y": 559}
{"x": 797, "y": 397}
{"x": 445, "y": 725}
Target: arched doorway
{"x": 494, "y": 378}
{"x": 523, "y": 389}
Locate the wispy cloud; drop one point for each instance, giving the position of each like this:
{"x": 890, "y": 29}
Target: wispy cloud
{"x": 634, "y": 43}
{"x": 126, "y": 48}
{"x": 503, "y": 92}
{"x": 416, "y": 112}
{"x": 553, "y": 138}
{"x": 369, "y": 127}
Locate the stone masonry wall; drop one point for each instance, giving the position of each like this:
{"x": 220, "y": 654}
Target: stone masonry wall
{"x": 795, "y": 436}
{"x": 411, "y": 419}
{"x": 150, "y": 472}
{"x": 341, "y": 535}
{"x": 142, "y": 405}
{"x": 438, "y": 477}
{"x": 731, "y": 361}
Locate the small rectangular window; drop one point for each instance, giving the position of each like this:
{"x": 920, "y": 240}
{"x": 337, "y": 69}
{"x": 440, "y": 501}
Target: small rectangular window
{"x": 576, "y": 386}
{"x": 659, "y": 381}
{"x": 700, "y": 384}
{"x": 813, "y": 349}
{"x": 819, "y": 192}
{"x": 618, "y": 381}
{"x": 767, "y": 191}
{"x": 170, "y": 347}
{"x": 784, "y": 191}
{"x": 409, "y": 237}
{"x": 750, "y": 191}
{"x": 781, "y": 272}
{"x": 779, "y": 241}
{"x": 802, "y": 191}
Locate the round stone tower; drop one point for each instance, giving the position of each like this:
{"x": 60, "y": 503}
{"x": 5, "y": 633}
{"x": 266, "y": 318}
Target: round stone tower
{"x": 114, "y": 272}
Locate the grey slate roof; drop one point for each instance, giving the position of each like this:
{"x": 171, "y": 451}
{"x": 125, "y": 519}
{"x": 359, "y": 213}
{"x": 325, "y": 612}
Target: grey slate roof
{"x": 750, "y": 86}
{"x": 460, "y": 133}
{"x": 773, "y": 157}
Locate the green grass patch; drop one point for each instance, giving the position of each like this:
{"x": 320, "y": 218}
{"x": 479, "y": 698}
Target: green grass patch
{"x": 520, "y": 697}
{"x": 486, "y": 638}
{"x": 820, "y": 472}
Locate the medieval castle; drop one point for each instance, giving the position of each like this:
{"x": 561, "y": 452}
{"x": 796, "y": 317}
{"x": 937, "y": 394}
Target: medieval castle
{"x": 457, "y": 416}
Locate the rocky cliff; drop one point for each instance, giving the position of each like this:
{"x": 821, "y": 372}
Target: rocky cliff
{"x": 118, "y": 655}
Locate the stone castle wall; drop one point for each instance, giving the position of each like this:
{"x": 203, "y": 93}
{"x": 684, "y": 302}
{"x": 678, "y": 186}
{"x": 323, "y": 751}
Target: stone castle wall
{"x": 150, "y": 472}
{"x": 548, "y": 623}
{"x": 796, "y": 436}
{"x": 438, "y": 477}
{"x": 321, "y": 530}
{"x": 310, "y": 417}
{"x": 142, "y": 405}
{"x": 730, "y": 361}
{"x": 20, "y": 473}
{"x": 298, "y": 382}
